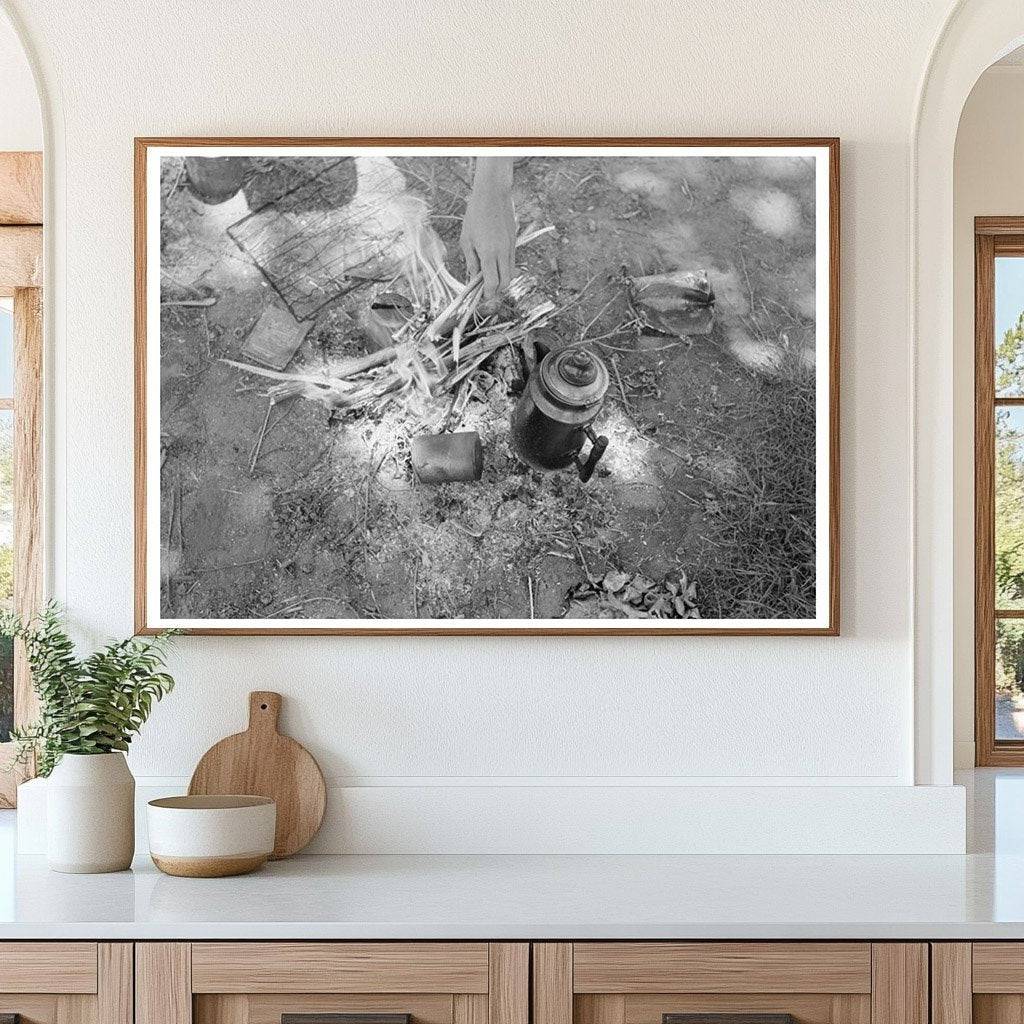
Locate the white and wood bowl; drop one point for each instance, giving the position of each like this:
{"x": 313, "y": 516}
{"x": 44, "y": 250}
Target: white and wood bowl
{"x": 211, "y": 836}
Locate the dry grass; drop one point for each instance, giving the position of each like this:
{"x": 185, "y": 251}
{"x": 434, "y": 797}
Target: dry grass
{"x": 764, "y": 527}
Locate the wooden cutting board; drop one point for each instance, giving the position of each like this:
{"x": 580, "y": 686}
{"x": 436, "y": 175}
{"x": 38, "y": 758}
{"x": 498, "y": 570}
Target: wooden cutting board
{"x": 262, "y": 762}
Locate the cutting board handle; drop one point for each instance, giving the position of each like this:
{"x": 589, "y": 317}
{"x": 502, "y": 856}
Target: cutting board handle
{"x": 264, "y": 710}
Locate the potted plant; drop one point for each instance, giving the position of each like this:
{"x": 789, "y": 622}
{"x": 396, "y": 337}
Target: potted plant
{"x": 89, "y": 709}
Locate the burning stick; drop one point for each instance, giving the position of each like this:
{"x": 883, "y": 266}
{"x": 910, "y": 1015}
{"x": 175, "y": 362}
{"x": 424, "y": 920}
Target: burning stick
{"x": 461, "y": 326}
{"x": 405, "y": 364}
{"x": 349, "y": 368}
{"x": 449, "y": 315}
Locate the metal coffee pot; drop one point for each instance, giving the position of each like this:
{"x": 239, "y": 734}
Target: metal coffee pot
{"x": 553, "y": 418}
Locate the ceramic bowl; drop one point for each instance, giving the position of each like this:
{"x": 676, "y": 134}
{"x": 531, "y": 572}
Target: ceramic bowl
{"x": 211, "y": 836}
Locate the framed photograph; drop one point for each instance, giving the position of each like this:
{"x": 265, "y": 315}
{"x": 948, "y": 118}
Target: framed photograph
{"x": 487, "y": 386}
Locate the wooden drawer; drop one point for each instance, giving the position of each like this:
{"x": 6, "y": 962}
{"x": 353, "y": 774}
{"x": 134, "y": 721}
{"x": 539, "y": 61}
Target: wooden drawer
{"x": 815, "y": 982}
{"x": 66, "y": 982}
{"x": 48, "y": 967}
{"x": 630, "y": 967}
{"x": 997, "y": 968}
{"x": 334, "y": 967}
{"x": 980, "y": 981}
{"x": 259, "y": 982}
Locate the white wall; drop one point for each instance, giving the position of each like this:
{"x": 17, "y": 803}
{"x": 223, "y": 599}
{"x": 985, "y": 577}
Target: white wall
{"x": 988, "y": 181}
{"x": 21, "y": 125}
{"x": 442, "y": 713}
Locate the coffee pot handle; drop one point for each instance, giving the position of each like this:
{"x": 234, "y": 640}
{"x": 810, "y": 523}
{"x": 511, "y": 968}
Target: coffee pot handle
{"x": 598, "y": 446}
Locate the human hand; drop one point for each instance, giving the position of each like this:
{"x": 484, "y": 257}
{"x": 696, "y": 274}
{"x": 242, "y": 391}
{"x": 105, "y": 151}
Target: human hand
{"x": 489, "y": 226}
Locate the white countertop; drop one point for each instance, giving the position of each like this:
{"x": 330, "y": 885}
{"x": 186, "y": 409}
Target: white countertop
{"x": 532, "y": 897}
{"x": 978, "y": 896}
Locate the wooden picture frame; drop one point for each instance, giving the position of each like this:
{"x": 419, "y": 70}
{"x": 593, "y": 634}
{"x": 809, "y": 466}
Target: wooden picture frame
{"x": 825, "y": 621}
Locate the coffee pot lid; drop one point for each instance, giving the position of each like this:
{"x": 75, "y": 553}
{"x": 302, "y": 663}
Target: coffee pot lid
{"x": 574, "y": 376}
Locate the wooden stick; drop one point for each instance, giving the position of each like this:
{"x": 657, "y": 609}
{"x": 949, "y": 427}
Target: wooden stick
{"x": 529, "y": 236}
{"x": 209, "y": 301}
{"x": 460, "y": 327}
{"x": 348, "y": 368}
{"x": 441, "y": 321}
{"x": 622, "y": 391}
{"x": 259, "y": 441}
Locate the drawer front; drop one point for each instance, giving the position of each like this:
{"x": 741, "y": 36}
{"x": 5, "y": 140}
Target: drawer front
{"x": 265, "y": 982}
{"x": 980, "y": 982}
{"x": 48, "y": 967}
{"x": 733, "y": 982}
{"x": 271, "y": 1009}
{"x": 66, "y": 982}
{"x": 635, "y": 967}
{"x": 998, "y": 967}
{"x": 340, "y": 967}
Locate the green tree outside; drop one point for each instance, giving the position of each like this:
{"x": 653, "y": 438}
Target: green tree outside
{"x": 1009, "y": 510}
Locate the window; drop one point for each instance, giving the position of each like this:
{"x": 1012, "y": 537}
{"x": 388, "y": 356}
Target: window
{"x": 20, "y": 493}
{"x": 21, "y": 255}
{"x": 999, "y": 490}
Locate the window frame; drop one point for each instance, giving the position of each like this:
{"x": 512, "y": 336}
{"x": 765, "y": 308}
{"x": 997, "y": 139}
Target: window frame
{"x": 993, "y": 237}
{"x": 21, "y": 252}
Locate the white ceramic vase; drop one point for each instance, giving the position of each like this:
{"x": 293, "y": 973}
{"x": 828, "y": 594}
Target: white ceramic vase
{"x": 90, "y": 814}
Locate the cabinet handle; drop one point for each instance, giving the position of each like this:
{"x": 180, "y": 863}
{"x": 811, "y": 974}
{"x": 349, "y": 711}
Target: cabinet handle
{"x": 728, "y": 1018}
{"x": 338, "y": 1018}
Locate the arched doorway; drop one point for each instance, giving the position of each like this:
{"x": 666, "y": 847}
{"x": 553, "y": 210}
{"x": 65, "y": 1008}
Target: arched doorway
{"x": 976, "y": 33}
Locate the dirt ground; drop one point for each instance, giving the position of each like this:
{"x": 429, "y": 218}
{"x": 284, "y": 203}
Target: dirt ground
{"x": 708, "y": 478}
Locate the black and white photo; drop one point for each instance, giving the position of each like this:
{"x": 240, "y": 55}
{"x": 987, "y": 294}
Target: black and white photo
{"x": 576, "y": 387}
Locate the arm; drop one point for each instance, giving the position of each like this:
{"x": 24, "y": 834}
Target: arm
{"x": 489, "y": 225}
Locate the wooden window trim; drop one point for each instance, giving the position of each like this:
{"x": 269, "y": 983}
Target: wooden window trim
{"x": 21, "y": 184}
{"x": 993, "y": 236}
